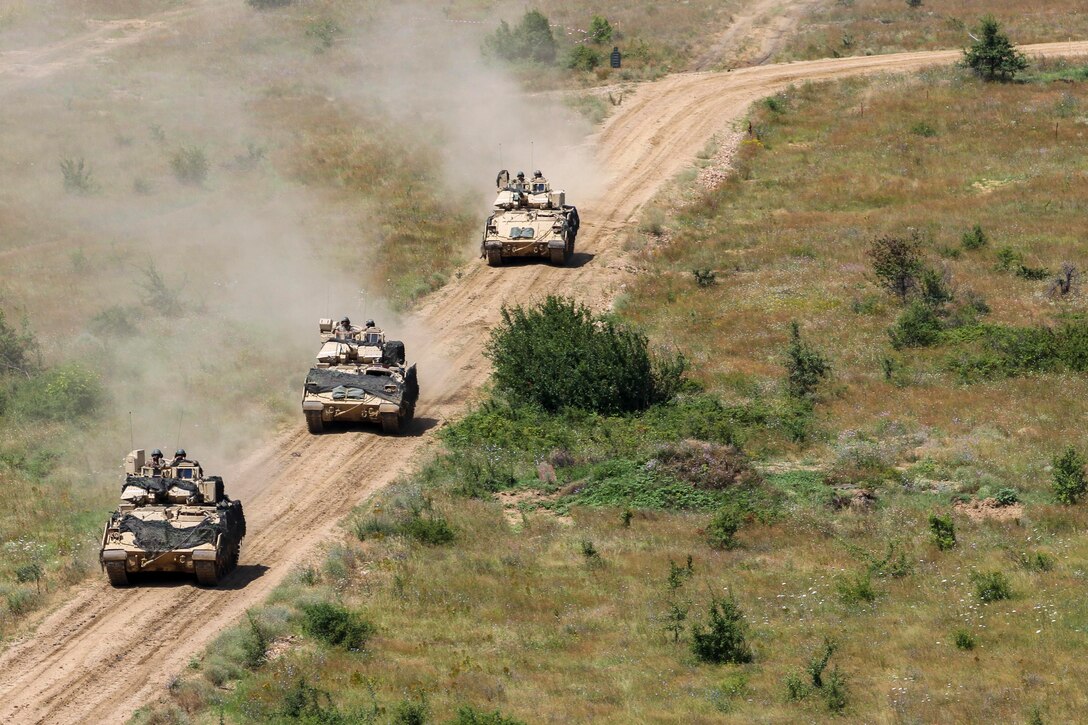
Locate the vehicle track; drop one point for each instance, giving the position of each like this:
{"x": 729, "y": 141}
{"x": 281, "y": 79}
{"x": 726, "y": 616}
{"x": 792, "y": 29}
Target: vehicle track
{"x": 106, "y": 652}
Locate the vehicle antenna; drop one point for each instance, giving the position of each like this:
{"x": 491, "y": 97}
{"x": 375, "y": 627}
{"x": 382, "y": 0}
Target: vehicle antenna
{"x": 131, "y": 438}
{"x": 181, "y": 415}
{"x": 500, "y": 155}
{"x": 531, "y": 164}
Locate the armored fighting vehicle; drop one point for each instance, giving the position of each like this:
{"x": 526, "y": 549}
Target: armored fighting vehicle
{"x": 359, "y": 377}
{"x": 530, "y": 219}
{"x": 172, "y": 518}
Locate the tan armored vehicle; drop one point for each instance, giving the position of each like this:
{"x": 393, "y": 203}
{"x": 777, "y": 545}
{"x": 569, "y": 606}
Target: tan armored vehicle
{"x": 530, "y": 220}
{"x": 172, "y": 518}
{"x": 359, "y": 377}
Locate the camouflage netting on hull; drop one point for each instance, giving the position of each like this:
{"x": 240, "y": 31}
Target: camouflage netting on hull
{"x": 162, "y": 536}
{"x": 159, "y": 536}
{"x": 320, "y": 380}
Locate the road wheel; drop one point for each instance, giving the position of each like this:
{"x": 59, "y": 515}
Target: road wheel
{"x": 494, "y": 258}
{"x": 314, "y": 422}
{"x": 390, "y": 423}
{"x": 560, "y": 256}
{"x": 115, "y": 570}
{"x": 207, "y": 573}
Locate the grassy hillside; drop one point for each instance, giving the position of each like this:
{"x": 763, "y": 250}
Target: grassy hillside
{"x": 870, "y": 27}
{"x": 899, "y": 555}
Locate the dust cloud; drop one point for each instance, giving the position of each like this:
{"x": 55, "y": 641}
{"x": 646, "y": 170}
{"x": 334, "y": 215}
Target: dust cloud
{"x": 198, "y": 302}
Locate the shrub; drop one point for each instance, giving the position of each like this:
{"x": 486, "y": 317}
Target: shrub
{"x": 975, "y": 238}
{"x": 835, "y": 692}
{"x": 530, "y": 40}
{"x": 992, "y": 56}
{"x": 115, "y": 321}
{"x": 1006, "y": 497}
{"x": 818, "y": 664}
{"x": 805, "y": 366}
{"x": 255, "y": 643}
{"x": 1069, "y": 480}
{"x": 583, "y": 57}
{"x": 559, "y": 354}
{"x": 190, "y": 165}
{"x": 705, "y": 277}
{"x": 923, "y": 129}
{"x": 324, "y": 31}
{"x": 991, "y": 586}
{"x": 589, "y": 552}
{"x": 432, "y": 530}
{"x": 963, "y": 639}
{"x": 336, "y": 625}
{"x": 897, "y": 262}
{"x": 708, "y": 466}
{"x": 468, "y": 715}
{"x": 62, "y": 393}
{"x": 918, "y": 325}
{"x": 796, "y": 689}
{"x": 1038, "y": 561}
{"x": 600, "y": 30}
{"x": 943, "y": 531}
{"x": 411, "y": 712}
{"x": 933, "y": 290}
{"x": 724, "y": 639}
{"x": 18, "y": 348}
{"x": 856, "y": 589}
{"x": 722, "y": 529}
{"x": 77, "y": 176}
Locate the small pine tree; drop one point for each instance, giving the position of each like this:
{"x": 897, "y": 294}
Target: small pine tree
{"x": 944, "y": 532}
{"x": 723, "y": 641}
{"x": 975, "y": 239}
{"x": 897, "y": 263}
{"x": 1069, "y": 481}
{"x": 992, "y": 56}
{"x": 600, "y": 30}
{"x": 805, "y": 366}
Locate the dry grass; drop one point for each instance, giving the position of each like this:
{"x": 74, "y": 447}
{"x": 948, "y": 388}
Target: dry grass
{"x": 522, "y": 622}
{"x": 842, "y": 166}
{"x": 845, "y": 27}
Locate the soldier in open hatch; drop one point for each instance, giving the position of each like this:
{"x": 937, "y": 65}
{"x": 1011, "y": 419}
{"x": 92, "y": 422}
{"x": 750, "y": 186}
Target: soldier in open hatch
{"x": 344, "y": 328}
{"x": 529, "y": 219}
{"x": 156, "y": 462}
{"x": 171, "y": 518}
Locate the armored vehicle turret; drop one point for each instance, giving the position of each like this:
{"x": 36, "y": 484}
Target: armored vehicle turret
{"x": 530, "y": 219}
{"x": 172, "y": 518}
{"x": 359, "y": 377}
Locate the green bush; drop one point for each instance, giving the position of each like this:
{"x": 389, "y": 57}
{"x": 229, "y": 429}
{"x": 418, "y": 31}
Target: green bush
{"x": 723, "y": 641}
{"x": 582, "y": 57}
{"x": 1069, "y": 480}
{"x": 943, "y": 532}
{"x": 963, "y": 639}
{"x": 1007, "y": 497}
{"x": 805, "y": 366}
{"x": 897, "y": 263}
{"x": 18, "y": 349}
{"x": 61, "y": 393}
{"x": 468, "y": 715}
{"x": 923, "y": 129}
{"x": 530, "y": 40}
{"x": 918, "y": 325}
{"x": 190, "y": 165}
{"x": 722, "y": 529}
{"x": 255, "y": 643}
{"x": 856, "y": 589}
{"x": 559, "y": 354}
{"x": 600, "y": 30}
{"x": 432, "y": 530}
{"x": 77, "y": 176}
{"x": 1038, "y": 561}
{"x": 336, "y": 625}
{"x": 836, "y": 694}
{"x": 991, "y": 586}
{"x": 410, "y": 712}
{"x": 975, "y": 238}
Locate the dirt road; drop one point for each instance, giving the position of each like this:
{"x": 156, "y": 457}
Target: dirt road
{"x": 105, "y": 652}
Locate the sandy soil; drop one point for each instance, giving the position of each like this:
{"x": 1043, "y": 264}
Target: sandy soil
{"x": 105, "y": 652}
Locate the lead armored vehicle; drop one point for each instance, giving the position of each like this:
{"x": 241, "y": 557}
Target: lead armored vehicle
{"x": 172, "y": 518}
{"x": 530, "y": 219}
{"x": 359, "y": 377}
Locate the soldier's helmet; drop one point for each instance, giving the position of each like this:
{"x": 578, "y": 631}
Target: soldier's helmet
{"x": 156, "y": 453}
{"x": 370, "y": 323}
{"x": 180, "y": 453}
{"x": 538, "y": 175}
{"x": 345, "y": 322}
